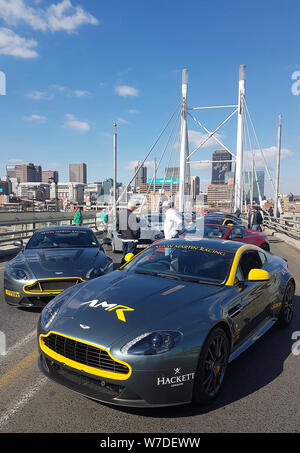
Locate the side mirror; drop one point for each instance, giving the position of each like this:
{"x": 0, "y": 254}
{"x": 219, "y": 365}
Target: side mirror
{"x": 257, "y": 275}
{"x": 18, "y": 243}
{"x": 129, "y": 257}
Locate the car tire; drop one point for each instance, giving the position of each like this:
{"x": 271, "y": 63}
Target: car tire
{"x": 211, "y": 367}
{"x": 288, "y": 304}
{"x": 265, "y": 247}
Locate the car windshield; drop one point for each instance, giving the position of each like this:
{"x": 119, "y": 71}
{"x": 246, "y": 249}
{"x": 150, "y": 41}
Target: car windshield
{"x": 207, "y": 231}
{"x": 184, "y": 262}
{"x": 62, "y": 239}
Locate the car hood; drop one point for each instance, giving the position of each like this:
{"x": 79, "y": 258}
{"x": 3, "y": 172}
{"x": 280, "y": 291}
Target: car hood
{"x": 48, "y": 263}
{"x": 110, "y": 307}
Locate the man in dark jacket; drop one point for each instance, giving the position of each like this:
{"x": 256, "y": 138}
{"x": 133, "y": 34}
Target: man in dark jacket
{"x": 128, "y": 229}
{"x": 256, "y": 219}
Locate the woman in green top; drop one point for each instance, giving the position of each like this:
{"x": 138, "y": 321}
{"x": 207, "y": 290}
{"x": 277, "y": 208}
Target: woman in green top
{"x": 78, "y": 217}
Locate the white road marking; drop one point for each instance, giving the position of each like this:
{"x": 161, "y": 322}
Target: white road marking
{"x": 17, "y": 405}
{"x": 20, "y": 343}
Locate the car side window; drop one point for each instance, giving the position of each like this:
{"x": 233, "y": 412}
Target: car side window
{"x": 239, "y": 275}
{"x": 250, "y": 260}
{"x": 262, "y": 257}
{"x": 236, "y": 233}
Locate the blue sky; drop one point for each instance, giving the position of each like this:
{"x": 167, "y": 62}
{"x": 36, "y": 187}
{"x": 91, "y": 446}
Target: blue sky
{"x": 73, "y": 67}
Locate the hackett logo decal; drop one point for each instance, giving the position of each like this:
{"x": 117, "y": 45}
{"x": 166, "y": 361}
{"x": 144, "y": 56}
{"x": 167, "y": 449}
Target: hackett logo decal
{"x": 119, "y": 309}
{"x": 177, "y": 380}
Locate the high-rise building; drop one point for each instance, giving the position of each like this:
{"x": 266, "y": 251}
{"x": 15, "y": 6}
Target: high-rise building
{"x": 11, "y": 171}
{"x": 78, "y": 173}
{"x": 141, "y": 176}
{"x": 25, "y": 172}
{"x": 47, "y": 174}
{"x": 195, "y": 186}
{"x": 220, "y": 195}
{"x": 220, "y": 166}
{"x": 107, "y": 186}
{"x": 258, "y": 186}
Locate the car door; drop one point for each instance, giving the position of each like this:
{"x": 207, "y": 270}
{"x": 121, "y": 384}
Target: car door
{"x": 249, "y": 310}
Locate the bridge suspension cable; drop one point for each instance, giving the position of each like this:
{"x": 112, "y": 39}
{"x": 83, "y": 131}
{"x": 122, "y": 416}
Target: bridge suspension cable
{"x": 147, "y": 155}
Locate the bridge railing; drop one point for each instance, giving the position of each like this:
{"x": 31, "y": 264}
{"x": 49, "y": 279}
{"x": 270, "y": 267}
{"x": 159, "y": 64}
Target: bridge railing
{"x": 18, "y": 229}
{"x": 283, "y": 225}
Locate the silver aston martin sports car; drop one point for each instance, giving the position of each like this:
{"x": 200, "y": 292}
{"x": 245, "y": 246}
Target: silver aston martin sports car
{"x": 161, "y": 330}
{"x": 54, "y": 259}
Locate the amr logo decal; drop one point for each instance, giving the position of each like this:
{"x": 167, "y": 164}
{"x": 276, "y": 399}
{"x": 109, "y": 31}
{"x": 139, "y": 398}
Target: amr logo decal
{"x": 119, "y": 309}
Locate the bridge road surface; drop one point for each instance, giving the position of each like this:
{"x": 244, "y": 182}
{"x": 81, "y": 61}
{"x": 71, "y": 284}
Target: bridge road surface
{"x": 261, "y": 391}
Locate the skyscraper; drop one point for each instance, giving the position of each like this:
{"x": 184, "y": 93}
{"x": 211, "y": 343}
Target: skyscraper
{"x": 25, "y": 172}
{"x": 77, "y": 173}
{"x": 46, "y": 174}
{"x": 258, "y": 186}
{"x": 141, "y": 176}
{"x": 220, "y": 166}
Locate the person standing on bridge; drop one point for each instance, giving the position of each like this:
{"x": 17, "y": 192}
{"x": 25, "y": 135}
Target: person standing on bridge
{"x": 128, "y": 229}
{"x": 173, "y": 221}
{"x": 78, "y": 217}
{"x": 256, "y": 219}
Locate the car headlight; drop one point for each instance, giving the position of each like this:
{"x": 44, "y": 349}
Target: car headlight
{"x": 17, "y": 272}
{"x": 152, "y": 343}
{"x": 158, "y": 236}
{"x": 93, "y": 273}
{"x": 51, "y": 310}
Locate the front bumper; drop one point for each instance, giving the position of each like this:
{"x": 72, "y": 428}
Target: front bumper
{"x": 24, "y": 293}
{"x": 152, "y": 387}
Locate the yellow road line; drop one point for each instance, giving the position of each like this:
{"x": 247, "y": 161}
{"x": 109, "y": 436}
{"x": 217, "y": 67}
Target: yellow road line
{"x": 8, "y": 377}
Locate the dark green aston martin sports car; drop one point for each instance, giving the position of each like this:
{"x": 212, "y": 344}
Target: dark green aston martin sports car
{"x": 54, "y": 259}
{"x": 161, "y": 330}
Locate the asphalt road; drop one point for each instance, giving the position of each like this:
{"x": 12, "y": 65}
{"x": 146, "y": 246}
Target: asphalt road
{"x": 261, "y": 390}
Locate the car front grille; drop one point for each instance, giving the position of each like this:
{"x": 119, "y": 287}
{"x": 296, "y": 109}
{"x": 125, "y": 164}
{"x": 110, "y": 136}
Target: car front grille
{"x": 90, "y": 356}
{"x": 51, "y": 285}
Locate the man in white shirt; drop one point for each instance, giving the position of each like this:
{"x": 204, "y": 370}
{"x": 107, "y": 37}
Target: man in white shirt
{"x": 173, "y": 221}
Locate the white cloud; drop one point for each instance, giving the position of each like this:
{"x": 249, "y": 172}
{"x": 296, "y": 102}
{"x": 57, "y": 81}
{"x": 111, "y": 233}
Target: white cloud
{"x": 58, "y": 88}
{"x": 134, "y": 163}
{"x": 15, "y": 45}
{"x": 62, "y": 16}
{"x": 40, "y": 95}
{"x": 121, "y": 121}
{"x": 39, "y": 118}
{"x": 80, "y": 93}
{"x": 270, "y": 155}
{"x": 68, "y": 91}
{"x": 125, "y": 91}
{"x": 196, "y": 138}
{"x": 74, "y": 123}
{"x": 65, "y": 16}
{"x": 133, "y": 111}
{"x": 15, "y": 161}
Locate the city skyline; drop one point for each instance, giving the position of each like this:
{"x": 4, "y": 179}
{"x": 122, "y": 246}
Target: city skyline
{"x": 63, "y": 106}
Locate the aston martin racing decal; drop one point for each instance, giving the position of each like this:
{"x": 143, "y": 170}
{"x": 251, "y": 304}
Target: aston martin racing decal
{"x": 119, "y": 309}
{"x": 193, "y": 247}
